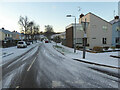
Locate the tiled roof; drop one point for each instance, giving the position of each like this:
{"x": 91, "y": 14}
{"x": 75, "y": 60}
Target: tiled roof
{"x": 6, "y": 31}
{"x": 16, "y": 33}
{"x": 9, "y": 32}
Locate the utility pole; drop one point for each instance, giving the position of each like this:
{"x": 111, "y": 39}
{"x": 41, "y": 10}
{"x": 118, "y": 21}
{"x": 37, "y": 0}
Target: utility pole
{"x": 75, "y": 37}
{"x": 84, "y": 40}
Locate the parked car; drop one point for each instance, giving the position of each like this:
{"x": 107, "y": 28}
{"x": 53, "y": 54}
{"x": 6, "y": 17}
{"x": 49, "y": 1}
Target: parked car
{"x": 31, "y": 41}
{"x": 28, "y": 43}
{"x": 46, "y": 41}
{"x": 21, "y": 44}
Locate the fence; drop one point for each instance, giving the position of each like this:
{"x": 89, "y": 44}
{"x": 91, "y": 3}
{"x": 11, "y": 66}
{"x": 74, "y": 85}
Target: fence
{"x": 8, "y": 43}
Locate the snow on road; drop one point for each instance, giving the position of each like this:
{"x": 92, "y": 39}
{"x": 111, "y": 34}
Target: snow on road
{"x": 73, "y": 72}
{"x": 60, "y": 70}
{"x": 20, "y": 63}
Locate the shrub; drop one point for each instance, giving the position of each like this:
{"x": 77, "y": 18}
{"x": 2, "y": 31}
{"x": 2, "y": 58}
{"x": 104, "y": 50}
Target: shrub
{"x": 77, "y": 47}
{"x": 106, "y": 48}
{"x": 113, "y": 48}
{"x": 98, "y": 49}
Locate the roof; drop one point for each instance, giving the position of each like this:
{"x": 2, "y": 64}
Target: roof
{"x": 63, "y": 33}
{"x": 16, "y": 33}
{"x": 97, "y": 17}
{"x": 72, "y": 25}
{"x": 9, "y": 32}
{"x": 115, "y": 21}
{"x": 6, "y": 31}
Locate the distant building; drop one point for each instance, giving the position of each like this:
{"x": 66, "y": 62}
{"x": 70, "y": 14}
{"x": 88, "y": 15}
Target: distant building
{"x": 99, "y": 32}
{"x": 17, "y": 36}
{"x": 115, "y": 31}
{"x": 8, "y": 35}
{"x": 61, "y": 35}
{"x": 5, "y": 35}
{"x": 70, "y": 35}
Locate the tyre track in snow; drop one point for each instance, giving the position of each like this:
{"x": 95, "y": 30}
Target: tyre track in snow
{"x": 18, "y": 66}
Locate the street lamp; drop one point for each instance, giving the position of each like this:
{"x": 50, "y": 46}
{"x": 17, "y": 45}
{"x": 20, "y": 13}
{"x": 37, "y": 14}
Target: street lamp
{"x": 84, "y": 25}
{"x": 74, "y": 32}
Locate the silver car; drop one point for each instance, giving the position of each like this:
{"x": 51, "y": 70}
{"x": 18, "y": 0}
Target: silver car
{"x": 21, "y": 44}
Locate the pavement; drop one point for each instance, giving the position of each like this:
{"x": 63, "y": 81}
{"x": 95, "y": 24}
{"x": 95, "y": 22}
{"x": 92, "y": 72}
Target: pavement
{"x": 43, "y": 68}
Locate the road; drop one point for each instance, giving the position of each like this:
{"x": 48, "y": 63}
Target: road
{"x": 43, "y": 68}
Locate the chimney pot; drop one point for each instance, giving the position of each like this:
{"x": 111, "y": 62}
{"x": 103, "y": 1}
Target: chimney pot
{"x": 81, "y": 15}
{"x": 116, "y": 17}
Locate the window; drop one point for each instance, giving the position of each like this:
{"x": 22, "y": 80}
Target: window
{"x": 104, "y": 40}
{"x": 79, "y": 40}
{"x": 117, "y": 28}
{"x": 104, "y": 27}
{"x": 117, "y": 40}
{"x": 8, "y": 35}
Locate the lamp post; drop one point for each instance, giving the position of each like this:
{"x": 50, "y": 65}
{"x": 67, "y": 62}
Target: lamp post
{"x": 84, "y": 25}
{"x": 74, "y": 33}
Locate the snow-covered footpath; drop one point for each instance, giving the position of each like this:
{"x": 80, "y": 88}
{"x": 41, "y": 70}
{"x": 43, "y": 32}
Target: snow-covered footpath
{"x": 100, "y": 58}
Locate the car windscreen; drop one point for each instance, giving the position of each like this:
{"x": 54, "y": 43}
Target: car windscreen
{"x": 20, "y": 42}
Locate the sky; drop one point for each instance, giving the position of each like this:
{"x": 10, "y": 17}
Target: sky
{"x": 52, "y": 13}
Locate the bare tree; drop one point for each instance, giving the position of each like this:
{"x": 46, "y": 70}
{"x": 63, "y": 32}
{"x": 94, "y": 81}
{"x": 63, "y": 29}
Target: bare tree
{"x": 23, "y": 21}
{"x": 48, "y": 31}
{"x": 57, "y": 39}
{"x": 31, "y": 28}
{"x": 48, "y": 28}
{"x": 36, "y": 31}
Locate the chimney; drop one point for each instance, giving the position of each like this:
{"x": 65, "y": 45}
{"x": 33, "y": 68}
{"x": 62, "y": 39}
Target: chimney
{"x": 3, "y": 28}
{"x": 116, "y": 17}
{"x": 81, "y": 15}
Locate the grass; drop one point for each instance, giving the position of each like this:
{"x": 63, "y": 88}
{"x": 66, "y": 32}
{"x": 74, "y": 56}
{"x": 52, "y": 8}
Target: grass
{"x": 58, "y": 46}
{"x": 61, "y": 49}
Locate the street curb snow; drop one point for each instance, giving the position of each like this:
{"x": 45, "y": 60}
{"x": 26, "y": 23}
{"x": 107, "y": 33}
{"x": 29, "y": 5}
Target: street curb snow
{"x": 97, "y": 64}
{"x": 90, "y": 62}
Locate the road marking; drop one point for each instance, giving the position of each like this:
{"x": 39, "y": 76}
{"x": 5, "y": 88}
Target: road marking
{"x": 31, "y": 64}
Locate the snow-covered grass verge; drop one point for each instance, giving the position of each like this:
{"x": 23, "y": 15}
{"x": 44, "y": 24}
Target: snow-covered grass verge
{"x": 100, "y": 58}
{"x": 61, "y": 49}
